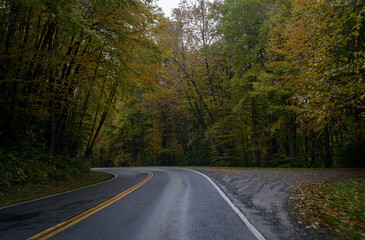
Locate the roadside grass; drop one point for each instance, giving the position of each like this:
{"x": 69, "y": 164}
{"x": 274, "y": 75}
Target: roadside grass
{"x": 18, "y": 194}
{"x": 338, "y": 208}
{"x": 256, "y": 168}
{"x": 260, "y": 168}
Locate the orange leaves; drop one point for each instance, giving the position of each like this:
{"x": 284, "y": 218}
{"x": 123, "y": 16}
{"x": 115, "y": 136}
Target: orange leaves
{"x": 315, "y": 49}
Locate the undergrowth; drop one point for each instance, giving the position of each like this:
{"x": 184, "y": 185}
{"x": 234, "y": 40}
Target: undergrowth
{"x": 20, "y": 193}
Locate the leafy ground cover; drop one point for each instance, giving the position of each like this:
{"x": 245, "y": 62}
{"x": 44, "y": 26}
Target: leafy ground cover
{"x": 17, "y": 194}
{"x": 337, "y": 207}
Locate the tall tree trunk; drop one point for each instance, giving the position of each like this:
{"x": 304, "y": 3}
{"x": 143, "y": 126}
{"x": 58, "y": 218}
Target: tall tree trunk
{"x": 52, "y": 132}
{"x": 328, "y": 161}
{"x": 134, "y": 155}
{"x": 134, "y": 144}
{"x": 183, "y": 142}
{"x": 197, "y": 113}
{"x": 306, "y": 150}
{"x": 190, "y": 82}
{"x": 255, "y": 137}
{"x": 291, "y": 140}
{"x": 96, "y": 114}
{"x": 102, "y": 119}
{"x": 141, "y": 141}
{"x": 89, "y": 91}
{"x": 246, "y": 152}
{"x": 313, "y": 151}
{"x": 47, "y": 44}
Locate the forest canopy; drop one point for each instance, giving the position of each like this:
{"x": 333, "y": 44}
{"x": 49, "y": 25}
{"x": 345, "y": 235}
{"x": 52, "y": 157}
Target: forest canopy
{"x": 251, "y": 83}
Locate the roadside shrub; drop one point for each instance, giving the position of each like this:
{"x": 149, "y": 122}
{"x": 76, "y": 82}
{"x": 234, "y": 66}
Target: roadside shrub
{"x": 66, "y": 167}
{"x": 283, "y": 161}
{"x": 12, "y": 168}
{"x": 5, "y": 176}
{"x": 17, "y": 168}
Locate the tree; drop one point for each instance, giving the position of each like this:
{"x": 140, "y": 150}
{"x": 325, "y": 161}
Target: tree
{"x": 64, "y": 65}
{"x": 315, "y": 46}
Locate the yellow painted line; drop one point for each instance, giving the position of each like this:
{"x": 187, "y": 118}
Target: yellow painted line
{"x": 72, "y": 221}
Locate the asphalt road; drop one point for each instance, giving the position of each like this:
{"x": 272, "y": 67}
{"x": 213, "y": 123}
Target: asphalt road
{"x": 140, "y": 203}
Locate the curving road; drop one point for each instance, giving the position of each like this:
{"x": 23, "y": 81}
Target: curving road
{"x": 140, "y": 203}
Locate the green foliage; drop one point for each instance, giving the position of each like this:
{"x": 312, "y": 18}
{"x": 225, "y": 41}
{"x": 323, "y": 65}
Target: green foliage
{"x": 261, "y": 83}
{"x": 244, "y": 84}
{"x": 69, "y": 167}
{"x": 64, "y": 68}
{"x": 19, "y": 168}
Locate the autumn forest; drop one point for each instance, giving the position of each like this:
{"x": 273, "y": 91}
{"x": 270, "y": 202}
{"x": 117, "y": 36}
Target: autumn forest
{"x": 249, "y": 83}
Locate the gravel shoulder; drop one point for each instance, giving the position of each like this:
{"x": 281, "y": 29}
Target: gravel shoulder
{"x": 263, "y": 196}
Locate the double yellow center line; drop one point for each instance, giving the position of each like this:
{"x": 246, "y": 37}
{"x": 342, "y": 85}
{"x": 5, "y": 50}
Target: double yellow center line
{"x": 72, "y": 221}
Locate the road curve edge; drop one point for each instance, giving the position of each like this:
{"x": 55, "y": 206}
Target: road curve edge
{"x": 252, "y": 228}
{"x": 37, "y": 199}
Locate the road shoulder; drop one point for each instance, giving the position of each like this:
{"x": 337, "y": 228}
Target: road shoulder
{"x": 263, "y": 196}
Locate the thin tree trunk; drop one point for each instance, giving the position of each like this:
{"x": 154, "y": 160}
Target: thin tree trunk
{"x": 191, "y": 81}
{"x": 197, "y": 113}
{"x": 88, "y": 93}
{"x": 52, "y": 132}
{"x": 255, "y": 132}
{"x": 141, "y": 141}
{"x": 328, "y": 162}
{"x": 313, "y": 151}
{"x": 134, "y": 155}
{"x": 306, "y": 150}
{"x": 96, "y": 114}
{"x": 102, "y": 119}
{"x": 291, "y": 137}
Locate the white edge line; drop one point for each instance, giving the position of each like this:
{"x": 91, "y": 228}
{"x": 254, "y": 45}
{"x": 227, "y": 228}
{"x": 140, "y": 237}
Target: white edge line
{"x": 17, "y": 204}
{"x": 255, "y": 232}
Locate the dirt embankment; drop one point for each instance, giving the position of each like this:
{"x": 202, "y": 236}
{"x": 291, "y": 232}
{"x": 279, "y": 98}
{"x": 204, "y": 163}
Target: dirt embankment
{"x": 263, "y": 196}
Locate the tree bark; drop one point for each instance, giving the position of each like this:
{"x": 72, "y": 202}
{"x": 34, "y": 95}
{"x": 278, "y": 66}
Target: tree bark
{"x": 141, "y": 141}
{"x": 134, "y": 137}
{"x": 255, "y": 132}
{"x": 291, "y": 140}
{"x": 102, "y": 119}
{"x": 313, "y": 151}
{"x": 328, "y": 161}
